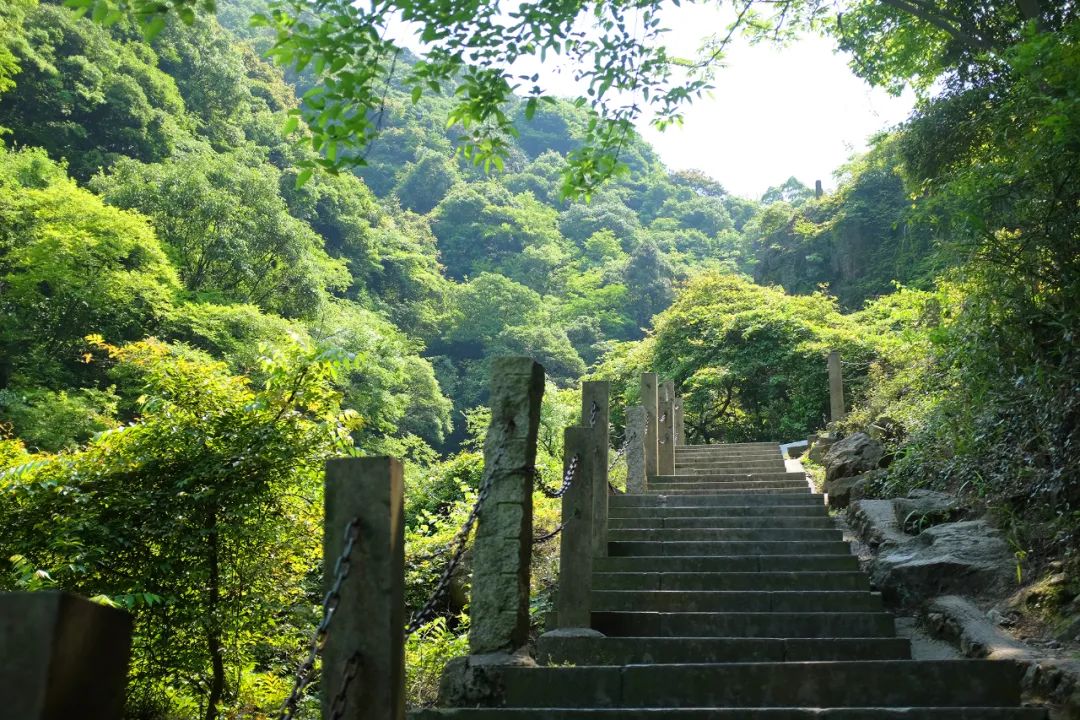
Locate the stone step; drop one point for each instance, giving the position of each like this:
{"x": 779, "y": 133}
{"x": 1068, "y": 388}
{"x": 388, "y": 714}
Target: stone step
{"x": 558, "y": 649}
{"x": 744, "y": 624}
{"x": 759, "y": 581}
{"x": 766, "y": 453}
{"x": 731, "y": 564}
{"x": 673, "y": 510}
{"x": 715, "y": 500}
{"x": 730, "y": 487}
{"x": 711, "y": 534}
{"x": 729, "y": 447}
{"x": 854, "y": 713}
{"x": 723, "y": 521}
{"x": 663, "y": 480}
{"x": 722, "y": 547}
{"x": 737, "y": 466}
{"x": 871, "y": 683}
{"x": 709, "y": 601}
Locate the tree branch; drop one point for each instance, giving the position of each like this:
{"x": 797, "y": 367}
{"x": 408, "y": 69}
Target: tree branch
{"x": 934, "y": 17}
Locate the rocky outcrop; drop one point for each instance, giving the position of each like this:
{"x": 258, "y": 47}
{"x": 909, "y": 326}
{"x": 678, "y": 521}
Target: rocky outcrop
{"x": 958, "y": 620}
{"x": 842, "y": 491}
{"x": 854, "y": 455}
{"x": 967, "y": 557}
{"x": 874, "y": 521}
{"x": 922, "y": 509}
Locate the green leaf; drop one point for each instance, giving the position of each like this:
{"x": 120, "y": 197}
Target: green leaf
{"x": 303, "y": 177}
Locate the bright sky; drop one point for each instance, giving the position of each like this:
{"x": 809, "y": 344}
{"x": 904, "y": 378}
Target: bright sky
{"x": 774, "y": 112}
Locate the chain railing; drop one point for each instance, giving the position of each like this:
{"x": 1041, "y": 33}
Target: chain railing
{"x": 305, "y": 673}
{"x": 540, "y": 539}
{"x": 568, "y": 479}
{"x": 459, "y": 544}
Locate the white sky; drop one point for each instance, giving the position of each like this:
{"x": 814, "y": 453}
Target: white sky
{"x": 774, "y": 112}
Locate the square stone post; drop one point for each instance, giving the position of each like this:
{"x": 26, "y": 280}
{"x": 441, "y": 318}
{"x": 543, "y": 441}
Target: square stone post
{"x": 836, "y": 387}
{"x": 635, "y": 450}
{"x": 367, "y": 630}
{"x": 667, "y": 390}
{"x": 596, "y": 394}
{"x": 62, "y": 657}
{"x": 665, "y": 460}
{"x": 649, "y": 402}
{"x": 680, "y": 423}
{"x": 576, "y": 547}
{"x": 503, "y": 547}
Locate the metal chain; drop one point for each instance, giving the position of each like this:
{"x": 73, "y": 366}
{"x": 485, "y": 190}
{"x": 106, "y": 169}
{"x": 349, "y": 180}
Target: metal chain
{"x": 568, "y": 478}
{"x": 614, "y": 460}
{"x": 459, "y": 544}
{"x": 594, "y": 411}
{"x": 305, "y": 672}
{"x": 352, "y": 669}
{"x": 548, "y": 535}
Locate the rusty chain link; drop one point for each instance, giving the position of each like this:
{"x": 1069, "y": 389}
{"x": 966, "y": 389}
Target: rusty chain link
{"x": 352, "y": 669}
{"x": 548, "y": 535}
{"x": 568, "y": 478}
{"x": 305, "y": 672}
{"x": 459, "y": 544}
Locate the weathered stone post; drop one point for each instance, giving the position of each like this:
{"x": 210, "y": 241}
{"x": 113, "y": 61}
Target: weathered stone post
{"x": 596, "y": 394}
{"x": 836, "y": 387}
{"x": 635, "y": 450}
{"x": 666, "y": 440}
{"x": 62, "y": 657}
{"x": 367, "y": 628}
{"x": 680, "y": 422}
{"x": 576, "y": 547}
{"x": 503, "y": 547}
{"x": 649, "y": 402}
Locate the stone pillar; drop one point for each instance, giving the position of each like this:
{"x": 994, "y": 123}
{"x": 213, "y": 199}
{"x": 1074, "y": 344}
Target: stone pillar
{"x": 649, "y": 402}
{"x": 576, "y": 548}
{"x": 680, "y": 423}
{"x": 665, "y": 460}
{"x": 503, "y": 547}
{"x": 836, "y": 387}
{"x": 62, "y": 657}
{"x": 635, "y": 450}
{"x": 596, "y": 393}
{"x": 367, "y": 628}
{"x": 667, "y": 390}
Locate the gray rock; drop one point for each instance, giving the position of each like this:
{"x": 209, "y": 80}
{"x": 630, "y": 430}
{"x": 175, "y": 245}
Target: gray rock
{"x": 957, "y": 619}
{"x": 963, "y": 557}
{"x": 925, "y": 508}
{"x": 853, "y": 455}
{"x": 818, "y": 447}
{"x": 874, "y": 521}
{"x": 842, "y": 491}
{"x": 1055, "y": 682}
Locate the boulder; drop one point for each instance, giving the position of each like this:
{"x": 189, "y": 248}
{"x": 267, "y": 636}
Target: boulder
{"x": 925, "y": 508}
{"x": 853, "y": 455}
{"x": 842, "y": 491}
{"x": 967, "y": 557}
{"x": 874, "y": 521}
{"x": 958, "y": 620}
{"x": 818, "y": 446}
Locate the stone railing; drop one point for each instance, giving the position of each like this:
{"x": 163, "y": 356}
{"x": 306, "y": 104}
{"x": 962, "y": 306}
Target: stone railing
{"x": 66, "y": 657}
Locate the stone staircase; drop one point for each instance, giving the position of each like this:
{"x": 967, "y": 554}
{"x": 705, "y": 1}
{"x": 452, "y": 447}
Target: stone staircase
{"x": 728, "y": 593}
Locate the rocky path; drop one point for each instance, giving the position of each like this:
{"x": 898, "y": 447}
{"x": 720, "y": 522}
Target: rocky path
{"x": 727, "y": 592}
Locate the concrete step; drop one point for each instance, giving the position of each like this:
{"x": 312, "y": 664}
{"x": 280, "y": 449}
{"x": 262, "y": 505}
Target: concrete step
{"x": 721, "y": 547}
{"x": 736, "y": 466}
{"x": 723, "y": 521}
{"x": 664, "y": 480}
{"x": 708, "y": 601}
{"x": 734, "y": 564}
{"x": 710, "y": 534}
{"x": 561, "y": 650}
{"x": 674, "y": 510}
{"x": 872, "y": 683}
{"x": 855, "y": 713}
{"x": 732, "y": 581}
{"x": 715, "y": 500}
{"x": 721, "y": 488}
{"x": 744, "y": 624}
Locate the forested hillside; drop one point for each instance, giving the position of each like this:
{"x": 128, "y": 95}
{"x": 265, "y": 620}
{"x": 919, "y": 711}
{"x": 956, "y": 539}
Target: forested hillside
{"x": 193, "y": 316}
